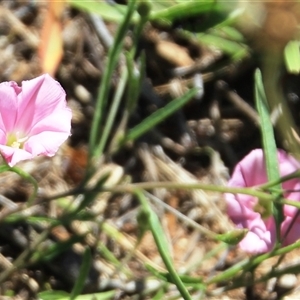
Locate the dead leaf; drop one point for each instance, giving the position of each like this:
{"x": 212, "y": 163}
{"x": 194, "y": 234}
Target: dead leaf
{"x": 51, "y": 43}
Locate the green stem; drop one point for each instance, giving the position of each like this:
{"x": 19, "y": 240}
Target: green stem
{"x": 271, "y": 73}
{"x": 272, "y": 183}
{"x": 130, "y": 188}
{"x": 29, "y": 178}
{"x": 159, "y": 116}
{"x": 161, "y": 243}
{"x": 247, "y": 263}
{"x": 113, "y": 110}
{"x": 113, "y": 55}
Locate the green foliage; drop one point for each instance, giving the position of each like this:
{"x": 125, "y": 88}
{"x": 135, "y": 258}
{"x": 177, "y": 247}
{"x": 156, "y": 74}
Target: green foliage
{"x": 232, "y": 237}
{"x": 292, "y": 57}
{"x": 114, "y": 13}
{"x": 83, "y": 274}
{"x": 217, "y": 29}
{"x": 96, "y": 143}
{"x": 270, "y": 149}
{"x": 28, "y": 178}
{"x": 61, "y": 295}
{"x": 166, "y": 11}
{"x": 159, "y": 116}
{"x": 161, "y": 242}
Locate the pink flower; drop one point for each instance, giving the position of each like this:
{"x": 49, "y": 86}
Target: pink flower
{"x": 34, "y": 119}
{"x": 250, "y": 171}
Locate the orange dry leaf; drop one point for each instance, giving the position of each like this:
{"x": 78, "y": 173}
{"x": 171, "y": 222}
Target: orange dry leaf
{"x": 51, "y": 45}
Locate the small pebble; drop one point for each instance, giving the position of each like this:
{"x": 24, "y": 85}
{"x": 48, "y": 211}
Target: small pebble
{"x": 287, "y": 281}
{"x": 82, "y": 93}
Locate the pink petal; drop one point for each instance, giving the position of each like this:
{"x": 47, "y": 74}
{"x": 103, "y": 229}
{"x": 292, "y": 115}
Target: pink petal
{"x": 293, "y": 234}
{"x": 8, "y": 105}
{"x": 240, "y": 207}
{"x": 38, "y": 112}
{"x": 14, "y": 155}
{"x": 45, "y": 143}
{"x": 59, "y": 120}
{"x": 256, "y": 244}
{"x": 40, "y": 97}
{"x": 261, "y": 236}
{"x": 49, "y": 133}
{"x": 250, "y": 171}
{"x": 2, "y": 136}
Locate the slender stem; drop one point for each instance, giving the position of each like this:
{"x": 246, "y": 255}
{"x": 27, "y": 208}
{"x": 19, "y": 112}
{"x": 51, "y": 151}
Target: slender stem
{"x": 113, "y": 110}
{"x": 271, "y": 72}
{"x": 182, "y": 217}
{"x": 249, "y": 263}
{"x": 29, "y": 178}
{"x": 269, "y": 184}
{"x": 113, "y": 55}
{"x": 130, "y": 188}
{"x": 161, "y": 243}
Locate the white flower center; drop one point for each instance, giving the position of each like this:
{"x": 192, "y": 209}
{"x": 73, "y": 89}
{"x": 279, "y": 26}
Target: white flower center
{"x": 16, "y": 140}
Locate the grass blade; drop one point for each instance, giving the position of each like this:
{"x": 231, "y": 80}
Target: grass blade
{"x": 103, "y": 93}
{"x": 112, "y": 13}
{"x": 269, "y": 145}
{"x": 162, "y": 244}
{"x": 292, "y": 57}
{"x": 83, "y": 273}
{"x": 159, "y": 116}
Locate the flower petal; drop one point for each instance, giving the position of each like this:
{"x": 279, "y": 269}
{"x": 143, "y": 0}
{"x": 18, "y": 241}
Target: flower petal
{"x": 59, "y": 120}
{"x": 14, "y": 155}
{"x": 251, "y": 168}
{"x": 40, "y": 97}
{"x": 292, "y": 234}
{"x": 240, "y": 207}
{"x": 49, "y": 133}
{"x": 257, "y": 243}
{"x": 35, "y": 115}
{"x": 251, "y": 171}
{"x": 261, "y": 236}
{"x": 8, "y": 105}
{"x": 45, "y": 143}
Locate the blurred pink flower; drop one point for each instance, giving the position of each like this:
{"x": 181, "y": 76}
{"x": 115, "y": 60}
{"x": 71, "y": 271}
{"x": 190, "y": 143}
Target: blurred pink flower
{"x": 250, "y": 171}
{"x": 34, "y": 118}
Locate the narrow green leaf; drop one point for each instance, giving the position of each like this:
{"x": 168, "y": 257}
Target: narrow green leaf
{"x": 61, "y": 295}
{"x": 103, "y": 92}
{"x": 292, "y": 57}
{"x": 160, "y": 294}
{"x": 270, "y": 149}
{"x": 268, "y": 138}
{"x": 99, "y": 296}
{"x": 228, "y": 32}
{"x": 160, "y": 115}
{"x": 54, "y": 295}
{"x": 113, "y": 110}
{"x": 52, "y": 251}
{"x": 83, "y": 274}
{"x": 235, "y": 49}
{"x": 232, "y": 237}
{"x": 186, "y": 279}
{"x": 136, "y": 76}
{"x": 14, "y": 218}
{"x": 185, "y": 9}
{"x": 28, "y": 178}
{"x": 162, "y": 244}
{"x": 113, "y": 13}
